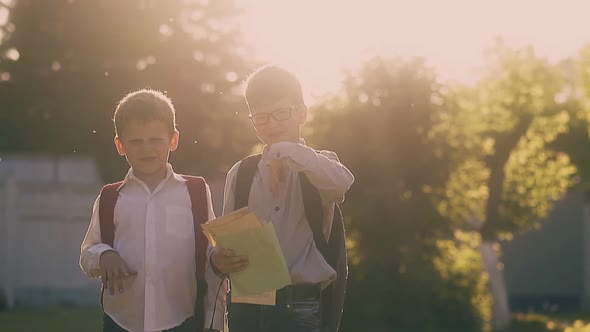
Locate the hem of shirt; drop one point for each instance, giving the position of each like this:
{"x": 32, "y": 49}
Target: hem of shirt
{"x": 116, "y": 321}
{"x": 144, "y": 329}
{"x": 326, "y": 283}
{"x": 168, "y": 327}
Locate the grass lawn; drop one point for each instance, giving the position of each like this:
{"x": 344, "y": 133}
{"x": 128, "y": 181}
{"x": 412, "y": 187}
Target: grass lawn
{"x": 51, "y": 320}
{"x": 90, "y": 320}
{"x": 533, "y": 322}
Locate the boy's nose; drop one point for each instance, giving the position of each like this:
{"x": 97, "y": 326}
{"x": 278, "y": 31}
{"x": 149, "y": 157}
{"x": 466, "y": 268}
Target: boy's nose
{"x": 146, "y": 146}
{"x": 272, "y": 122}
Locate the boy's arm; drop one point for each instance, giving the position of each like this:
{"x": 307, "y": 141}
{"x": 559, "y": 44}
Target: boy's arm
{"x": 323, "y": 168}
{"x": 214, "y": 301}
{"x": 228, "y": 207}
{"x": 92, "y": 247}
{"x": 224, "y": 261}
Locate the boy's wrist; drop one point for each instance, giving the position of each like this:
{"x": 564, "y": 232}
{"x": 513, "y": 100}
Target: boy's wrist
{"x": 213, "y": 267}
{"x": 107, "y": 252}
{"x": 101, "y": 248}
{"x": 286, "y": 151}
{"x": 277, "y": 150}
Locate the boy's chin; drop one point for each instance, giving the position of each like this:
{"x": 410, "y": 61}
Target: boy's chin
{"x": 148, "y": 171}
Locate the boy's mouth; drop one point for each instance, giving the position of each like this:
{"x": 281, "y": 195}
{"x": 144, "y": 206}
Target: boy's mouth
{"x": 275, "y": 134}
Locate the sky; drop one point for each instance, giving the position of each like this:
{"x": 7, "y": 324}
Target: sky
{"x": 318, "y": 38}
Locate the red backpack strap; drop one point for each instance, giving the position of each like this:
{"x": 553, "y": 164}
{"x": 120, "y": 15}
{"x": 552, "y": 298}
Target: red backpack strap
{"x": 106, "y": 212}
{"x": 197, "y": 190}
{"x": 106, "y": 215}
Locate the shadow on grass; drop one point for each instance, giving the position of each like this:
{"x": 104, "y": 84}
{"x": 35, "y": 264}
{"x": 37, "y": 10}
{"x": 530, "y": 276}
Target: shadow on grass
{"x": 60, "y": 319}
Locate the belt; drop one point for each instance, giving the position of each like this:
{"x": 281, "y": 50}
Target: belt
{"x": 301, "y": 292}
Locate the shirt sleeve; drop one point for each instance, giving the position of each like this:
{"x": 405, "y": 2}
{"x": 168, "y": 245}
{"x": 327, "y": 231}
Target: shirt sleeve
{"x": 323, "y": 168}
{"x": 228, "y": 205}
{"x": 92, "y": 246}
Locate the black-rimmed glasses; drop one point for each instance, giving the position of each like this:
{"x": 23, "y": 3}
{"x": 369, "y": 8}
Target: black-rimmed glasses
{"x": 280, "y": 114}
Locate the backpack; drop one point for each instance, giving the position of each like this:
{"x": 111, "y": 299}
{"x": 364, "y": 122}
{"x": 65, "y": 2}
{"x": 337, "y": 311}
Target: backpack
{"x": 198, "y": 196}
{"x": 333, "y": 250}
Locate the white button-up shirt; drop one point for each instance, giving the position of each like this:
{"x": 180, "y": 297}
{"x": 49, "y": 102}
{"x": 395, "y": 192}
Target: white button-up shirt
{"x": 154, "y": 234}
{"x": 286, "y": 211}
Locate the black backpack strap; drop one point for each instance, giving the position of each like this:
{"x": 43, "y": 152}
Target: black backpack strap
{"x": 333, "y": 251}
{"x": 335, "y": 293}
{"x": 314, "y": 213}
{"x": 246, "y": 172}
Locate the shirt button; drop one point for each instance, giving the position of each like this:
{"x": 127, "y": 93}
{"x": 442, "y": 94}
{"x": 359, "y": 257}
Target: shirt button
{"x": 277, "y": 208}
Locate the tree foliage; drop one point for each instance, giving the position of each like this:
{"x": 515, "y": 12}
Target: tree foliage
{"x": 69, "y": 62}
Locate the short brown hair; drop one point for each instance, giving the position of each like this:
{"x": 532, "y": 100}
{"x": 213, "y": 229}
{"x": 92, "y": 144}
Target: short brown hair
{"x": 144, "y": 105}
{"x": 271, "y": 83}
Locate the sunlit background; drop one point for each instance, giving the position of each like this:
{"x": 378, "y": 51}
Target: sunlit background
{"x": 319, "y": 38}
{"x": 465, "y": 123}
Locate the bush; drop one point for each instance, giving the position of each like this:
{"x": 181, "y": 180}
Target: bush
{"x": 438, "y": 288}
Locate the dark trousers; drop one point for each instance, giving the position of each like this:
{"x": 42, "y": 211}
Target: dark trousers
{"x": 108, "y": 325}
{"x": 298, "y": 309}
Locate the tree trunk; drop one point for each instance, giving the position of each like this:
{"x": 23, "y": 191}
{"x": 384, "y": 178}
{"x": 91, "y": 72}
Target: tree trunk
{"x": 504, "y": 146}
{"x": 500, "y": 308}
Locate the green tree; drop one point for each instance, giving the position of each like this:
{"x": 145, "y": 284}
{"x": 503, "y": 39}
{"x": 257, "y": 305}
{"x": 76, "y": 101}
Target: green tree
{"x": 506, "y": 175}
{"x": 576, "y": 141}
{"x": 67, "y": 63}
{"x": 403, "y": 275}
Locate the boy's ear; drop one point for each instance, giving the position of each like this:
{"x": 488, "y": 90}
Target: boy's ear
{"x": 119, "y": 146}
{"x": 174, "y": 140}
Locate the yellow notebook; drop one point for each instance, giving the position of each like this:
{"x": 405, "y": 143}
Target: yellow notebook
{"x": 267, "y": 270}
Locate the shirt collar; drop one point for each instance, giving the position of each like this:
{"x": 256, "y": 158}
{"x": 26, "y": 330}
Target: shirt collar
{"x": 169, "y": 174}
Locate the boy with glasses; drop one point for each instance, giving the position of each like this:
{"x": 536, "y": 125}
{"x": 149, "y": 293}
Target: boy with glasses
{"x": 288, "y": 184}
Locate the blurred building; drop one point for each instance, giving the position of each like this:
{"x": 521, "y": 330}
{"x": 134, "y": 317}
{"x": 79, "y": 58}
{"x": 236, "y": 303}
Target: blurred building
{"x": 549, "y": 269}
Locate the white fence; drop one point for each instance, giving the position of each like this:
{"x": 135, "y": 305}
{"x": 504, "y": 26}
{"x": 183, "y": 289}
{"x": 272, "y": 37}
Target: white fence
{"x": 45, "y": 207}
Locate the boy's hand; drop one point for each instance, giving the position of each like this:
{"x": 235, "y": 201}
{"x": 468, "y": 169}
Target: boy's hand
{"x": 113, "y": 271}
{"x": 277, "y": 175}
{"x": 226, "y": 261}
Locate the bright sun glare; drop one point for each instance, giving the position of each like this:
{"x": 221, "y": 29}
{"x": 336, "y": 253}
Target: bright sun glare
{"x": 317, "y": 38}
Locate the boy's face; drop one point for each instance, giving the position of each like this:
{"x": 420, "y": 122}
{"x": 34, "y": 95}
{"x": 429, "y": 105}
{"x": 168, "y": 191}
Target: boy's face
{"x": 146, "y": 145}
{"x": 279, "y": 121}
